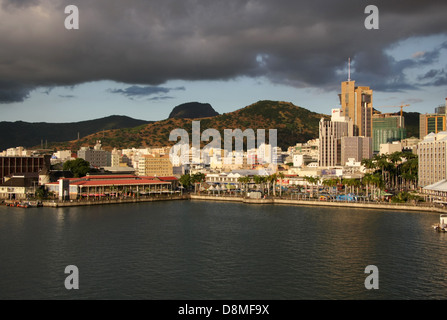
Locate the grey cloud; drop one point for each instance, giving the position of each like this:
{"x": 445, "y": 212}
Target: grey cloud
{"x": 160, "y": 98}
{"x": 430, "y": 74}
{"x": 434, "y": 77}
{"x": 19, "y": 3}
{"x": 146, "y": 43}
{"x": 138, "y": 91}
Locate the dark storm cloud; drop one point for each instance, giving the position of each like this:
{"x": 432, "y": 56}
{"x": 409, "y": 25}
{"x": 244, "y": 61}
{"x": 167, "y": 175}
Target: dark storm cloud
{"x": 146, "y": 43}
{"x": 13, "y": 92}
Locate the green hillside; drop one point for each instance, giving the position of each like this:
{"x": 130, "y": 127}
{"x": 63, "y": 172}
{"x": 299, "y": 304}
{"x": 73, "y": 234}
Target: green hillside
{"x": 294, "y": 124}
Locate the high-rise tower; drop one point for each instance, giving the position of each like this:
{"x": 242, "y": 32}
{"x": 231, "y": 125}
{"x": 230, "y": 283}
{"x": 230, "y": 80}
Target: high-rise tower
{"x": 356, "y": 103}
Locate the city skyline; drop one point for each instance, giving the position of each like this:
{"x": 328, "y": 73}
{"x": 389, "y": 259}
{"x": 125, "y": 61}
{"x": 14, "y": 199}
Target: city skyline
{"x": 141, "y": 59}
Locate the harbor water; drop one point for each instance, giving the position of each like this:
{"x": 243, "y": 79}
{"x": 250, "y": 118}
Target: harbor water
{"x": 215, "y": 250}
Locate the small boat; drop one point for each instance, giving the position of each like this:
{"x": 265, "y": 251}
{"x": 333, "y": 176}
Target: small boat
{"x": 442, "y": 225}
{"x": 23, "y": 205}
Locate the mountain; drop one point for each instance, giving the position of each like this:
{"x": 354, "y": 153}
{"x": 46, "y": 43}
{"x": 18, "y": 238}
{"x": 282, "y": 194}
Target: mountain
{"x": 193, "y": 110}
{"x": 26, "y": 134}
{"x": 294, "y": 124}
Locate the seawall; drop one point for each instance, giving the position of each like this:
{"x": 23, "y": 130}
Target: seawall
{"x": 75, "y": 203}
{"x": 362, "y": 205}
{"x": 262, "y": 201}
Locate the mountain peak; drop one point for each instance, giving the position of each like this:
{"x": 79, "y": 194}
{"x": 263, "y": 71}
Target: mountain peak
{"x": 193, "y": 110}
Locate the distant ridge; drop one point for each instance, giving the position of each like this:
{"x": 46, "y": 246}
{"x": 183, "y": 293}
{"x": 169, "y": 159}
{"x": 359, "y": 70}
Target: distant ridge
{"x": 193, "y": 110}
{"x": 294, "y": 124}
{"x": 27, "y": 134}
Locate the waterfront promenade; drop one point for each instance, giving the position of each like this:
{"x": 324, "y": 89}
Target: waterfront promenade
{"x": 76, "y": 203}
{"x": 106, "y": 201}
{"x": 321, "y": 203}
{"x": 235, "y": 198}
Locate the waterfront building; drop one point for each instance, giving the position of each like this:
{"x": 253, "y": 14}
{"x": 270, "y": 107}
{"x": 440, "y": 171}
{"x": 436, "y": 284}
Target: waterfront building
{"x": 386, "y": 129}
{"x": 19, "y": 186}
{"x": 432, "y": 158}
{"x": 100, "y": 186}
{"x": 436, "y": 192}
{"x": 96, "y": 156}
{"x": 155, "y": 165}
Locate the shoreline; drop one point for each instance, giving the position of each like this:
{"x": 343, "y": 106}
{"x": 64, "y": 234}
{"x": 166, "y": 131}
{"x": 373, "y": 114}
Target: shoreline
{"x": 361, "y": 205}
{"x": 274, "y": 201}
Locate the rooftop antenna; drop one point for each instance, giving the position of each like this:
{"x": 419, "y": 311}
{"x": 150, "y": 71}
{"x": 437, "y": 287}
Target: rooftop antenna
{"x": 349, "y": 69}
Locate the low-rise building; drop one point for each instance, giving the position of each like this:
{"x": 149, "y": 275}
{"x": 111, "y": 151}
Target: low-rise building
{"x": 155, "y": 165}
{"x": 19, "y": 187}
{"x": 389, "y": 148}
{"x": 96, "y": 156}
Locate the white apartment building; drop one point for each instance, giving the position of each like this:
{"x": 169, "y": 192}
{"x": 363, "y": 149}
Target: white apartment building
{"x": 432, "y": 158}
{"x": 330, "y": 134}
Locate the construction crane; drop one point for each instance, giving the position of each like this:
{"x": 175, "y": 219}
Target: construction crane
{"x": 401, "y": 108}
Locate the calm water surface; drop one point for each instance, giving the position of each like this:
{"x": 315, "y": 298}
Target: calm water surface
{"x": 210, "y": 250}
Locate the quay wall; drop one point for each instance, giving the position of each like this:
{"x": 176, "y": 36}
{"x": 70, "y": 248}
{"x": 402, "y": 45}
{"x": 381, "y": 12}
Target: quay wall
{"x": 345, "y": 204}
{"x": 262, "y": 201}
{"x": 75, "y": 203}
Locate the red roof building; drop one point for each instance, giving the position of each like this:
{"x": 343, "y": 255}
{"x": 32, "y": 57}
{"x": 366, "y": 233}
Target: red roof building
{"x": 112, "y": 186}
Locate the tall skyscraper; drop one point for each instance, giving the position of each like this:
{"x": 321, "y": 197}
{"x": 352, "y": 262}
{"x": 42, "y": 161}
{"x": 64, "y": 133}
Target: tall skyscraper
{"x": 356, "y": 103}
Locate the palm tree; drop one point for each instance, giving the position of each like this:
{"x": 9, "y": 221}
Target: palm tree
{"x": 281, "y": 177}
{"x": 377, "y": 182}
{"x": 313, "y": 181}
{"x": 244, "y": 181}
{"x": 367, "y": 181}
{"x": 409, "y": 170}
{"x": 369, "y": 164}
{"x": 395, "y": 158}
{"x": 258, "y": 181}
{"x": 272, "y": 179}
{"x": 327, "y": 183}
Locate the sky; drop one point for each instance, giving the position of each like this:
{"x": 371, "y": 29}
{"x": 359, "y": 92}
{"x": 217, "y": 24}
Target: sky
{"x": 141, "y": 58}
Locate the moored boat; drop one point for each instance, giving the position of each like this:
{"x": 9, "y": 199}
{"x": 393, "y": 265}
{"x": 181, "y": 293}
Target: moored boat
{"x": 442, "y": 225}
